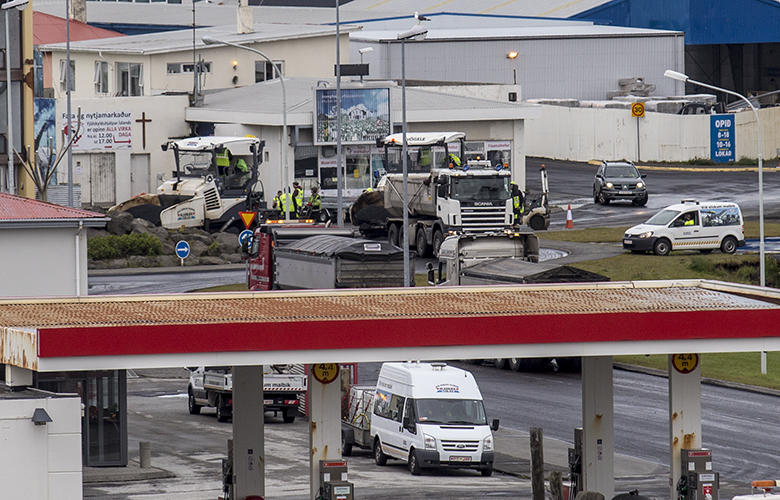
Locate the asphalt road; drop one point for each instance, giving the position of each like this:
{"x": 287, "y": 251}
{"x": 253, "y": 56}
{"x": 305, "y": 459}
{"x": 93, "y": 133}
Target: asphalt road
{"x": 739, "y": 427}
{"x": 571, "y": 183}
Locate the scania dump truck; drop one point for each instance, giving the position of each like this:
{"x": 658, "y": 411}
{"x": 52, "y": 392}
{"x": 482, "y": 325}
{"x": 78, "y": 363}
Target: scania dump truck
{"x": 215, "y": 178}
{"x": 505, "y": 259}
{"x": 446, "y": 193}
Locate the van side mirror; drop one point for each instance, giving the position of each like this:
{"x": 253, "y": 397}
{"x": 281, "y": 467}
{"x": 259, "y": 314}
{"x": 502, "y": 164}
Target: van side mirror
{"x": 409, "y": 425}
{"x": 494, "y": 425}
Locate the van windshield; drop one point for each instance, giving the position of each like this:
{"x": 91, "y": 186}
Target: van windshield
{"x": 450, "y": 411}
{"x": 662, "y": 218}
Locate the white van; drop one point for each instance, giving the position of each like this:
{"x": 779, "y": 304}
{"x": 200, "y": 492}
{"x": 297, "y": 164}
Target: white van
{"x": 689, "y": 225}
{"x": 431, "y": 416}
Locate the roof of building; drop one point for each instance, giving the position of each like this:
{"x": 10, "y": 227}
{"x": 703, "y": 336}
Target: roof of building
{"x": 17, "y": 210}
{"x": 177, "y": 41}
{"x": 261, "y": 104}
{"x": 573, "y": 319}
{"x": 574, "y": 31}
{"x": 52, "y": 29}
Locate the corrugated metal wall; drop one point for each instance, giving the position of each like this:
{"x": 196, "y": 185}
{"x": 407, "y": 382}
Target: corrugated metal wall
{"x": 584, "y": 68}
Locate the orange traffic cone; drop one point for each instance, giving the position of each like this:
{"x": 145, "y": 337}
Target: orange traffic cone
{"x": 569, "y": 220}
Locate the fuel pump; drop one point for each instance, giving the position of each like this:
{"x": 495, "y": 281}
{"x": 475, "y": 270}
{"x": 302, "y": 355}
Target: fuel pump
{"x": 697, "y": 479}
{"x": 575, "y": 465}
{"x": 333, "y": 478}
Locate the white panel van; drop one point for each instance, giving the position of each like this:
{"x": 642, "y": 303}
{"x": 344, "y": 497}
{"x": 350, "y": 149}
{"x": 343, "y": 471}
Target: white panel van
{"x": 431, "y": 416}
{"x": 689, "y": 225}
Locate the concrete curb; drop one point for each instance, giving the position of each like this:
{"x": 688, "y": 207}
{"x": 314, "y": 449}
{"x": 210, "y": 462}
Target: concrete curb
{"x": 133, "y": 472}
{"x": 163, "y": 270}
{"x": 704, "y": 380}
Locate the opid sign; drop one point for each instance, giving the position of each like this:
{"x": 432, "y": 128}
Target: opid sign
{"x": 722, "y": 138}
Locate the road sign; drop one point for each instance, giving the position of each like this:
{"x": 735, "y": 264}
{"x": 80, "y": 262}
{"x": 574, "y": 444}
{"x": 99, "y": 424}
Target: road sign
{"x": 247, "y": 217}
{"x": 325, "y": 373}
{"x": 245, "y": 235}
{"x": 182, "y": 249}
{"x": 638, "y": 109}
{"x": 685, "y": 363}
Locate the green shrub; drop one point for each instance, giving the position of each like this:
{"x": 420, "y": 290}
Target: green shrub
{"x": 114, "y": 247}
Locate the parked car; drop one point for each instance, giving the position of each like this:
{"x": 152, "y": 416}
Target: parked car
{"x": 689, "y": 225}
{"x": 619, "y": 180}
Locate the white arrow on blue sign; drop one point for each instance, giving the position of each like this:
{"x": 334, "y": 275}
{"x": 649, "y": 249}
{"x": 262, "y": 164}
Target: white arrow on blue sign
{"x": 182, "y": 249}
{"x": 245, "y": 235}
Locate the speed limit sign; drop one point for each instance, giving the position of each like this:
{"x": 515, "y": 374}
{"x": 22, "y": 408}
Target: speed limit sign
{"x": 638, "y": 109}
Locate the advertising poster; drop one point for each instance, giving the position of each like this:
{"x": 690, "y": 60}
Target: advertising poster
{"x": 45, "y": 114}
{"x": 101, "y": 130}
{"x": 365, "y": 115}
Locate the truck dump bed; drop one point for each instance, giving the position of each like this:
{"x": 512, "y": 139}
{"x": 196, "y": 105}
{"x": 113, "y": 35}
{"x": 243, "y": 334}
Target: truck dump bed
{"x": 509, "y": 270}
{"x": 327, "y": 261}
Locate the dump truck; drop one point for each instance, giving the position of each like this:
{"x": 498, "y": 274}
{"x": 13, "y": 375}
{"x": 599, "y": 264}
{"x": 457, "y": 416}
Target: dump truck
{"x": 445, "y": 194}
{"x": 319, "y": 257}
{"x": 215, "y": 179}
{"x": 505, "y": 259}
{"x": 213, "y": 387}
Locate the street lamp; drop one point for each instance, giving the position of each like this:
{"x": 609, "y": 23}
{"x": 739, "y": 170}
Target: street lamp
{"x": 10, "y": 178}
{"x": 362, "y": 51}
{"x": 210, "y": 40}
{"x": 684, "y": 78}
{"x": 417, "y": 33}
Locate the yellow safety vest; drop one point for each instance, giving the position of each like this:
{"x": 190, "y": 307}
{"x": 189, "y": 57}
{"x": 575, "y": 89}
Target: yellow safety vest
{"x": 315, "y": 201}
{"x": 223, "y": 158}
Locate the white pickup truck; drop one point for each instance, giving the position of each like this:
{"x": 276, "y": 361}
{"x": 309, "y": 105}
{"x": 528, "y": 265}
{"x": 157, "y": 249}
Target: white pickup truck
{"x": 213, "y": 386}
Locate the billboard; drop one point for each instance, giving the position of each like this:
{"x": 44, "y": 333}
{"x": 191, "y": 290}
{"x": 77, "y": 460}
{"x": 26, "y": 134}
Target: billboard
{"x": 722, "y": 138}
{"x": 365, "y": 115}
{"x": 101, "y": 130}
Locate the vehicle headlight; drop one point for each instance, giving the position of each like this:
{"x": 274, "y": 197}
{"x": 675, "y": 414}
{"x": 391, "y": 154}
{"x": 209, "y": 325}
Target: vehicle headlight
{"x": 646, "y": 234}
{"x": 640, "y": 185}
{"x": 609, "y": 184}
{"x": 487, "y": 444}
{"x": 430, "y": 442}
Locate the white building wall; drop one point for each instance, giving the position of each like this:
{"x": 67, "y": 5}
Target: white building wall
{"x": 167, "y": 121}
{"x": 584, "y": 134}
{"x": 41, "y": 461}
{"x": 46, "y": 262}
{"x": 309, "y": 56}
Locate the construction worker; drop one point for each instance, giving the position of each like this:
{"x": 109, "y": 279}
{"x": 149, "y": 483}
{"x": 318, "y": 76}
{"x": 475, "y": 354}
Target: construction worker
{"x": 454, "y": 160}
{"x": 517, "y": 203}
{"x": 279, "y": 201}
{"x": 315, "y": 201}
{"x": 297, "y": 198}
{"x": 223, "y": 161}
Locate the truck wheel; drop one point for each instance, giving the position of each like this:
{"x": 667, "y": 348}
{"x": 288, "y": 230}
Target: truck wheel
{"x": 487, "y": 472}
{"x": 222, "y": 414}
{"x": 392, "y": 235}
{"x": 662, "y": 247}
{"x": 379, "y": 456}
{"x": 192, "y": 405}
{"x": 514, "y": 364}
{"x": 288, "y": 416}
{"x": 346, "y": 448}
{"x": 421, "y": 244}
{"x": 729, "y": 245}
{"x": 438, "y": 239}
{"x": 537, "y": 222}
{"x": 414, "y": 464}
{"x": 500, "y": 363}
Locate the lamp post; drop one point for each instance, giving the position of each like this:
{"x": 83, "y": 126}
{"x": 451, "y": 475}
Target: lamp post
{"x": 210, "y": 40}
{"x": 362, "y": 51}
{"x": 418, "y": 33}
{"x": 10, "y": 177}
{"x": 684, "y": 78}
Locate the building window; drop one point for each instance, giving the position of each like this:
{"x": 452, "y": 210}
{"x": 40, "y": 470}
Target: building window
{"x": 64, "y": 75}
{"x": 265, "y": 70}
{"x": 130, "y": 79}
{"x": 178, "y": 68}
{"x": 101, "y": 77}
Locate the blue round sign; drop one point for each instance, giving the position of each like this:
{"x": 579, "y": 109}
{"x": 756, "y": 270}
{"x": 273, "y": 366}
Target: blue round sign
{"x": 182, "y": 249}
{"x": 245, "y": 235}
